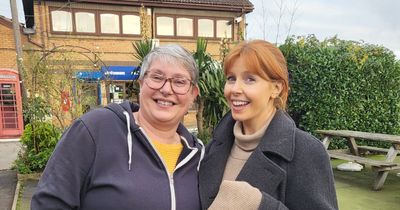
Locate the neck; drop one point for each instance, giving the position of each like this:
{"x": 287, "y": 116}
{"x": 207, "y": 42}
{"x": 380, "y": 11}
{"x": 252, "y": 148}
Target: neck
{"x": 156, "y": 132}
{"x": 253, "y": 125}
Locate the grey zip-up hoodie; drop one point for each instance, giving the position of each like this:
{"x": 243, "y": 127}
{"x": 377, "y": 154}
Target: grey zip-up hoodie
{"x": 105, "y": 161}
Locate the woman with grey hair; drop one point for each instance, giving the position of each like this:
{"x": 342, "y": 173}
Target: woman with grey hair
{"x": 126, "y": 156}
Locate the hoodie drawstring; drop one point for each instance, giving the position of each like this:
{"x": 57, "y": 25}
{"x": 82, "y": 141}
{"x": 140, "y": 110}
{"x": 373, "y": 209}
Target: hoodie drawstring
{"x": 129, "y": 139}
{"x": 202, "y": 151}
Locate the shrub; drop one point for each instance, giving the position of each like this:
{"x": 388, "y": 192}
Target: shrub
{"x": 211, "y": 101}
{"x": 338, "y": 84}
{"x": 38, "y": 140}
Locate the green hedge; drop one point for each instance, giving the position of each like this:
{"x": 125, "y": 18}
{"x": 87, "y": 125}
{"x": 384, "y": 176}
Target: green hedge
{"x": 38, "y": 143}
{"x": 337, "y": 84}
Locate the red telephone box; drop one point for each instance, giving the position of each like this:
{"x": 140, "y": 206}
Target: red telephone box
{"x": 11, "y": 124}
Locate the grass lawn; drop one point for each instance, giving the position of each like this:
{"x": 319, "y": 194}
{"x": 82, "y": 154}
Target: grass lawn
{"x": 354, "y": 189}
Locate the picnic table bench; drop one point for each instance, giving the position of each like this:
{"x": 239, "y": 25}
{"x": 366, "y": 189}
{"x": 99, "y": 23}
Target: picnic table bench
{"x": 382, "y": 167}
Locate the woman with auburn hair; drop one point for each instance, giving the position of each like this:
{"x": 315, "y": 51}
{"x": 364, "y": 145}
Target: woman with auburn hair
{"x": 257, "y": 158}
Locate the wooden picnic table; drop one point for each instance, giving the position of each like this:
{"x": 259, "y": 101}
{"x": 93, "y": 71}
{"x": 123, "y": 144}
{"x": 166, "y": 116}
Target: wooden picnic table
{"x": 382, "y": 167}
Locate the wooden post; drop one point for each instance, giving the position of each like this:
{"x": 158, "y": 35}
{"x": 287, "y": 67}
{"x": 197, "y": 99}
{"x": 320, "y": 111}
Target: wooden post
{"x": 18, "y": 47}
{"x": 353, "y": 146}
{"x": 326, "y": 141}
{"x": 381, "y": 176}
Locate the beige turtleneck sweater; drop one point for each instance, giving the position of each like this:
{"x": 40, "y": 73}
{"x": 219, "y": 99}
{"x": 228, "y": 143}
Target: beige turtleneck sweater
{"x": 239, "y": 194}
{"x": 241, "y": 150}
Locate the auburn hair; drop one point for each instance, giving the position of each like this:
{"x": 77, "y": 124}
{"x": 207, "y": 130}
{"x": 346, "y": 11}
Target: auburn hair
{"x": 264, "y": 59}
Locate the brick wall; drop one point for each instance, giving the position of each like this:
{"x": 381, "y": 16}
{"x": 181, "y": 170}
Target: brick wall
{"x": 7, "y": 46}
{"x": 113, "y": 48}
{"x": 8, "y": 55}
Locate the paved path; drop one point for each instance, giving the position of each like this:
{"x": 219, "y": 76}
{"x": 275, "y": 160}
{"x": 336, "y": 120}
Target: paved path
{"x": 8, "y": 183}
{"x": 9, "y": 149}
{"x": 29, "y": 187}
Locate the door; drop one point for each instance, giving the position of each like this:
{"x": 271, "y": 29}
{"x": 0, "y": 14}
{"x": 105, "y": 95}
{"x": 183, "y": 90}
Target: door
{"x": 9, "y": 122}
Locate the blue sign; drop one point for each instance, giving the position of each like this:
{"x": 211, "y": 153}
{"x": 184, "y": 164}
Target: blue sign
{"x": 88, "y": 75}
{"x": 128, "y": 73}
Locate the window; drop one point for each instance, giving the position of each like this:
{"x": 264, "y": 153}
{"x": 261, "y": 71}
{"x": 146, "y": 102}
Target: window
{"x": 61, "y": 21}
{"x": 94, "y": 22}
{"x": 131, "y": 24}
{"x": 184, "y": 27}
{"x": 85, "y": 22}
{"x": 165, "y": 26}
{"x": 224, "y": 29}
{"x": 109, "y": 23}
{"x": 205, "y": 28}
{"x": 179, "y": 26}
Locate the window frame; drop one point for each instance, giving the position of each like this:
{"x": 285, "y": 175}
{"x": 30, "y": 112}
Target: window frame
{"x": 214, "y": 27}
{"x": 96, "y": 28}
{"x": 232, "y": 27}
{"x": 51, "y": 21}
{"x": 194, "y": 22}
{"x": 97, "y": 20}
{"x": 156, "y": 25}
{"x": 175, "y": 17}
{"x": 194, "y": 26}
{"x": 122, "y": 24}
{"x": 100, "y": 12}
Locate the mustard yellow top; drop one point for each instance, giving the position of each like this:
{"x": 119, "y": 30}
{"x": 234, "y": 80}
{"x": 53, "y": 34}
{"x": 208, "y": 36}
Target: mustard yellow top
{"x": 169, "y": 153}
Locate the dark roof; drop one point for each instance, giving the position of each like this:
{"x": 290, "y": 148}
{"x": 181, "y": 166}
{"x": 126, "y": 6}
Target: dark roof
{"x": 9, "y": 24}
{"x": 6, "y": 22}
{"x": 241, "y": 3}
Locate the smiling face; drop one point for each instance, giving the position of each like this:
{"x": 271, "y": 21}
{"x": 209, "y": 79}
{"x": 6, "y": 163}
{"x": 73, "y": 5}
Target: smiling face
{"x": 163, "y": 106}
{"x": 250, "y": 97}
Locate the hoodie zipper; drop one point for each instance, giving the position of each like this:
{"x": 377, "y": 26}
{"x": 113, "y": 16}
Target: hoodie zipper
{"x": 172, "y": 189}
{"x": 180, "y": 164}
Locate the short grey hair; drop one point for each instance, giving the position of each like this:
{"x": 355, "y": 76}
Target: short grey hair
{"x": 171, "y": 53}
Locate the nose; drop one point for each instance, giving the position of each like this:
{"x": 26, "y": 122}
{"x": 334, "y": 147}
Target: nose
{"x": 237, "y": 87}
{"x": 167, "y": 88}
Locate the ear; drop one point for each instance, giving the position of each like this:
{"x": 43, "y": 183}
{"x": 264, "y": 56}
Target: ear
{"x": 140, "y": 83}
{"x": 277, "y": 86}
{"x": 195, "y": 91}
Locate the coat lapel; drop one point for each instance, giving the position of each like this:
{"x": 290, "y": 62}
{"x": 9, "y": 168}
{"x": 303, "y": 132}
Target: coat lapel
{"x": 278, "y": 141}
{"x": 262, "y": 173}
{"x": 213, "y": 165}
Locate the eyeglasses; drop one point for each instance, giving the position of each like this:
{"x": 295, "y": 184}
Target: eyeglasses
{"x": 179, "y": 85}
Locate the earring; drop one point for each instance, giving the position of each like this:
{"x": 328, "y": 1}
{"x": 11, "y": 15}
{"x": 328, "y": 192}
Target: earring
{"x": 278, "y": 101}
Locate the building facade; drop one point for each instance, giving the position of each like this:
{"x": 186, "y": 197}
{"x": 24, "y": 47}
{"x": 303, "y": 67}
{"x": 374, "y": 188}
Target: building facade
{"x": 97, "y": 36}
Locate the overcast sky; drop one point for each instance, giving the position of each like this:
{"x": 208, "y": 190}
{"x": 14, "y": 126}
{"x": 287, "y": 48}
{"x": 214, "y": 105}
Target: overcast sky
{"x": 371, "y": 21}
{"x": 5, "y": 9}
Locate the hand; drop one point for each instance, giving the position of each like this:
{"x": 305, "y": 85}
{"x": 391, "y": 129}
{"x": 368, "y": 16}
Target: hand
{"x": 238, "y": 195}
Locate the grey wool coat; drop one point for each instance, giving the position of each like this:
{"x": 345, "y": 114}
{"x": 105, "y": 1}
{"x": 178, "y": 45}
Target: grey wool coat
{"x": 290, "y": 167}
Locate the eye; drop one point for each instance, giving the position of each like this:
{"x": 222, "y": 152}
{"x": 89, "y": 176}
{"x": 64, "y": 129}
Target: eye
{"x": 230, "y": 79}
{"x": 180, "y": 82}
{"x": 249, "y": 79}
{"x": 156, "y": 77}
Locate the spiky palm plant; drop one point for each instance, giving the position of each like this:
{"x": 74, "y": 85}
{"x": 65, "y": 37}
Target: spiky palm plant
{"x": 142, "y": 48}
{"x": 211, "y": 102}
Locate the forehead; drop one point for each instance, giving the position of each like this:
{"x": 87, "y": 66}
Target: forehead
{"x": 168, "y": 67}
{"x": 247, "y": 66}
{"x": 242, "y": 66}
